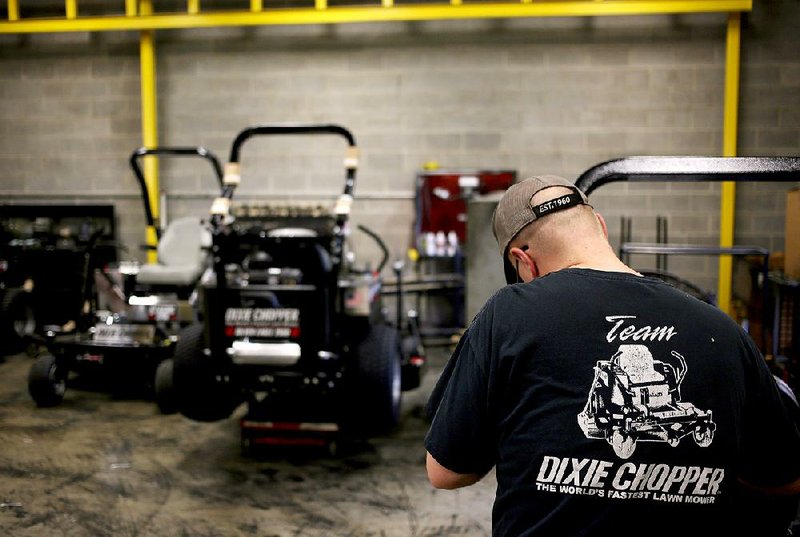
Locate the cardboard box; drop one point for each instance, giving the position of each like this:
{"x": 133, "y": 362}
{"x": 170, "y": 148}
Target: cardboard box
{"x": 792, "y": 234}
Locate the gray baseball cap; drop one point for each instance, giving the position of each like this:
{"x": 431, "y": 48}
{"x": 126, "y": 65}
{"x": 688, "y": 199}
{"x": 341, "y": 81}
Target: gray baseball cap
{"x": 515, "y": 211}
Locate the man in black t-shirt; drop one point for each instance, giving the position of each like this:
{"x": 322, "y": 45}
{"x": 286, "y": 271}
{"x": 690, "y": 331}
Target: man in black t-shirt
{"x": 607, "y": 402}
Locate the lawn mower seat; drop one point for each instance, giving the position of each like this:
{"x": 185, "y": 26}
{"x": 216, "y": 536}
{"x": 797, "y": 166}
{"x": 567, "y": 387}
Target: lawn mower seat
{"x": 637, "y": 362}
{"x": 646, "y": 385}
{"x": 181, "y": 254}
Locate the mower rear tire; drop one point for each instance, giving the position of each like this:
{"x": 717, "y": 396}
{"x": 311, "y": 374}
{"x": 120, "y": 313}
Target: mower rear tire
{"x": 47, "y": 381}
{"x": 375, "y": 395}
{"x": 202, "y": 384}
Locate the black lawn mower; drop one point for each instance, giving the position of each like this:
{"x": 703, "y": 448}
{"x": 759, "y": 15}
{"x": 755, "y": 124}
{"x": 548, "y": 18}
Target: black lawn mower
{"x": 291, "y": 326}
{"x": 131, "y": 314}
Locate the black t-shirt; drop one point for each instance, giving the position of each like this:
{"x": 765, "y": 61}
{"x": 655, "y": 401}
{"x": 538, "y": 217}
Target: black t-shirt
{"x": 610, "y": 404}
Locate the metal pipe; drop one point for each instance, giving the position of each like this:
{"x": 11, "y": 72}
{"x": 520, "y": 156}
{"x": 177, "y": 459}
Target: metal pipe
{"x": 71, "y": 8}
{"x": 727, "y": 211}
{"x": 689, "y": 168}
{"x": 147, "y": 60}
{"x": 13, "y": 10}
{"x": 131, "y": 8}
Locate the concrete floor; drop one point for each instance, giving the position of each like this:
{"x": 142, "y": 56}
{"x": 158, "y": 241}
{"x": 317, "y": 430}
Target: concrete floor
{"x": 107, "y": 466}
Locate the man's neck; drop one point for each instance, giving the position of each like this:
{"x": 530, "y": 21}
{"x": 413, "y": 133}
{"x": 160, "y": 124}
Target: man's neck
{"x": 605, "y": 263}
{"x": 617, "y": 266}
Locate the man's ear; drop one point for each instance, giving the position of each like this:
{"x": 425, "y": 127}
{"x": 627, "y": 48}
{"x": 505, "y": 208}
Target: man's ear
{"x": 520, "y": 258}
{"x": 602, "y": 223}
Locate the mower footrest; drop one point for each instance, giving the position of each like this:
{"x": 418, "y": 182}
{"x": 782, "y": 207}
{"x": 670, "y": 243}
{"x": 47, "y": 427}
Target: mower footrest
{"x": 275, "y": 354}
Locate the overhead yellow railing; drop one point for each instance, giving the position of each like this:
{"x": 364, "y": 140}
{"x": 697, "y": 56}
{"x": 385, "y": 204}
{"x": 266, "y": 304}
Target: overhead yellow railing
{"x": 381, "y": 11}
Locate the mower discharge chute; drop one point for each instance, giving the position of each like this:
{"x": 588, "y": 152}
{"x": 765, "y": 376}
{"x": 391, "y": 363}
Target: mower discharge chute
{"x": 132, "y": 314}
{"x": 635, "y": 397}
{"x": 292, "y": 327}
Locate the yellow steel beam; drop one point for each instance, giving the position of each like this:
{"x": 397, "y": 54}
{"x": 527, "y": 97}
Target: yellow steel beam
{"x": 193, "y": 6}
{"x": 131, "y": 7}
{"x": 377, "y": 13}
{"x": 147, "y": 62}
{"x": 256, "y": 6}
{"x": 729, "y": 133}
{"x": 71, "y": 8}
{"x": 13, "y": 10}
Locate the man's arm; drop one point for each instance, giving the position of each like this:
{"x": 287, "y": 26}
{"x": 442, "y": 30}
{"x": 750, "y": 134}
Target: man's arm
{"x": 443, "y": 478}
{"x": 788, "y": 489}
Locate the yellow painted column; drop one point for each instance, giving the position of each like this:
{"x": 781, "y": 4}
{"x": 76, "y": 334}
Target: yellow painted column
{"x": 147, "y": 61}
{"x": 13, "y": 10}
{"x": 71, "y": 8}
{"x": 729, "y": 135}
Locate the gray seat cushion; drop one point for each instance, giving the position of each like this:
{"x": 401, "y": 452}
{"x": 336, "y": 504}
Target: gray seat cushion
{"x": 181, "y": 254}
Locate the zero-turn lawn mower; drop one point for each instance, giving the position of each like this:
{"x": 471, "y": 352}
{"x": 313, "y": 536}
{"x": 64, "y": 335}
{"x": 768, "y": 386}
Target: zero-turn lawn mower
{"x": 635, "y": 397}
{"x": 42, "y": 255}
{"x": 144, "y": 307}
{"x": 291, "y": 326}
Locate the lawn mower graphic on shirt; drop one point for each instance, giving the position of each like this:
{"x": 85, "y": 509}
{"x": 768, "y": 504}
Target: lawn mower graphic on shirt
{"x": 637, "y": 398}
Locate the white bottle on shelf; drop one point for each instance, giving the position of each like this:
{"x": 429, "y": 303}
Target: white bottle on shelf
{"x": 452, "y": 243}
{"x": 441, "y": 243}
{"x": 430, "y": 244}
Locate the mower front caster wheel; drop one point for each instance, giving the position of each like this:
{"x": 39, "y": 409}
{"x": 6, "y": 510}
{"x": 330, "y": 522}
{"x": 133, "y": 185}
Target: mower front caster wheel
{"x": 164, "y": 391}
{"x": 47, "y": 381}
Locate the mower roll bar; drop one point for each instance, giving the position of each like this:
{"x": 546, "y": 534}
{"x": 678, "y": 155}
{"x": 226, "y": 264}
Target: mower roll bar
{"x": 351, "y": 164}
{"x": 168, "y": 151}
{"x": 297, "y": 128}
{"x": 714, "y": 169}
{"x": 288, "y": 128}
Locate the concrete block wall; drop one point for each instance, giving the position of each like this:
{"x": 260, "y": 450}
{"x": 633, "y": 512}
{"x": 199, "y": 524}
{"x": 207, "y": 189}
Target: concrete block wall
{"x": 538, "y": 96}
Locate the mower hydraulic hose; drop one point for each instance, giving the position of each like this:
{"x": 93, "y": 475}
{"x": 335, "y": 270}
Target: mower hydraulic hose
{"x": 380, "y": 243}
